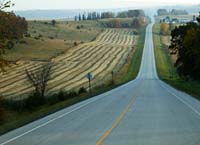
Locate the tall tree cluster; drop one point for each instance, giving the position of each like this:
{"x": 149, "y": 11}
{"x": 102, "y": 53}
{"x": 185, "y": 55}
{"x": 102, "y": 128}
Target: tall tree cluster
{"x": 88, "y": 16}
{"x": 164, "y": 28}
{"x": 131, "y": 14}
{"x": 11, "y": 27}
{"x": 106, "y": 15}
{"x": 162, "y": 12}
{"x": 185, "y": 43}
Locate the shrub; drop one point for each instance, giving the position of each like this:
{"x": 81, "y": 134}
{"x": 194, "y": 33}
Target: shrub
{"x": 53, "y": 22}
{"x": 1, "y": 114}
{"x": 135, "y": 32}
{"x": 9, "y": 45}
{"x": 22, "y": 42}
{"x": 36, "y": 38}
{"x": 50, "y": 37}
{"x": 61, "y": 96}
{"x": 40, "y": 35}
{"x": 71, "y": 94}
{"x": 82, "y": 90}
{"x": 34, "y": 100}
{"x": 78, "y": 27}
{"x": 27, "y": 35}
{"x": 75, "y": 43}
{"x": 1, "y": 111}
{"x": 53, "y": 99}
{"x": 16, "y": 105}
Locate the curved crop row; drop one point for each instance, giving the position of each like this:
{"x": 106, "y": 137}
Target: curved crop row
{"x": 108, "y": 52}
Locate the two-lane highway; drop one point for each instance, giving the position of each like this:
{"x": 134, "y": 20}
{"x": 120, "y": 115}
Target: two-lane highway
{"x": 145, "y": 111}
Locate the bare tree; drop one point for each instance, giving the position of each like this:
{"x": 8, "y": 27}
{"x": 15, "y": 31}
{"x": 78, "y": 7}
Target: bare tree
{"x": 40, "y": 78}
{"x": 5, "y": 4}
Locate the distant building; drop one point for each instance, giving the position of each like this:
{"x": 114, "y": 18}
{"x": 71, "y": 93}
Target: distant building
{"x": 182, "y": 20}
{"x": 167, "y": 19}
{"x": 175, "y": 20}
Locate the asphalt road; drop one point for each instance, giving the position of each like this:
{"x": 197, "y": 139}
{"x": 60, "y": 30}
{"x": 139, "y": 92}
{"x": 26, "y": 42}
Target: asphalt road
{"x": 145, "y": 111}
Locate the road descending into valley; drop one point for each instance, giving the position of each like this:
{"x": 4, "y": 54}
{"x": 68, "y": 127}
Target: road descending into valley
{"x": 145, "y": 111}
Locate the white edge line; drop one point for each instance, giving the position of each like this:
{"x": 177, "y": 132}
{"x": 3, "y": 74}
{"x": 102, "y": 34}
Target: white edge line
{"x": 67, "y": 113}
{"x": 183, "y": 101}
{"x": 48, "y": 122}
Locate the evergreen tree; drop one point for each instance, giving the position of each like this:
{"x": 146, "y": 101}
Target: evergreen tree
{"x": 98, "y": 16}
{"x": 89, "y": 17}
{"x": 79, "y": 17}
{"x": 76, "y": 18}
{"x": 94, "y": 15}
{"x": 84, "y": 17}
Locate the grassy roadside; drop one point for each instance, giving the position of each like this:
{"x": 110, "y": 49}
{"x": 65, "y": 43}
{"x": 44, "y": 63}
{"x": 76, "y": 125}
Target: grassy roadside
{"x": 166, "y": 70}
{"x": 129, "y": 73}
{"x": 135, "y": 60}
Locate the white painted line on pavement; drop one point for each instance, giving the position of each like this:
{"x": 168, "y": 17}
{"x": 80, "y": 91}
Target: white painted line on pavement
{"x": 183, "y": 101}
{"x": 67, "y": 113}
{"x": 50, "y": 121}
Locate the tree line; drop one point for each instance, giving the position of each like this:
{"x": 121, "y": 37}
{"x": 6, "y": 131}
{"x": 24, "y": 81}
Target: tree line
{"x": 138, "y": 18}
{"x": 162, "y": 12}
{"x": 185, "y": 43}
{"x": 11, "y": 27}
{"x": 107, "y": 15}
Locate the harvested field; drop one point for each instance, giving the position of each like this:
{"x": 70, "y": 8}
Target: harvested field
{"x": 108, "y": 52}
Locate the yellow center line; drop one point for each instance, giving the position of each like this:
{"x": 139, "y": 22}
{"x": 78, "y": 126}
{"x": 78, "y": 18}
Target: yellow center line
{"x": 107, "y": 133}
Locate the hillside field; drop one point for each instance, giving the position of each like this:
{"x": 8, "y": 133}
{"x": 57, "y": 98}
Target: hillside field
{"x": 45, "y": 40}
{"x": 99, "y": 54}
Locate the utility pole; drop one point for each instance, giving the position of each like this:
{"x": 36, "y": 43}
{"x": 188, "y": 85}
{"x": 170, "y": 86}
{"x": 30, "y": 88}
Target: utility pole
{"x": 112, "y": 73}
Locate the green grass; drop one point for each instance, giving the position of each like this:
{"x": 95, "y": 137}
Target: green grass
{"x": 135, "y": 61}
{"x": 190, "y": 87}
{"x": 163, "y": 63}
{"x": 167, "y": 71}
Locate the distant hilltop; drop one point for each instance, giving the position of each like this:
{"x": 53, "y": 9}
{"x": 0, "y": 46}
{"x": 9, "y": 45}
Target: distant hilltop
{"x": 48, "y": 14}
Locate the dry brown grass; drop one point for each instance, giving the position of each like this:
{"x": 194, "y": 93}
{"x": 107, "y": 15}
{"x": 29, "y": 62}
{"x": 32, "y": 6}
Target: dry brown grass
{"x": 166, "y": 41}
{"x": 43, "y": 49}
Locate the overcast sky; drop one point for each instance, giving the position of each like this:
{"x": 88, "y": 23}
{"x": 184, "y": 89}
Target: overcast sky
{"x": 93, "y": 4}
